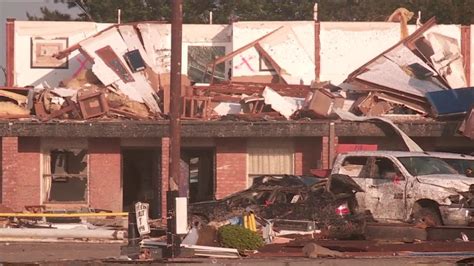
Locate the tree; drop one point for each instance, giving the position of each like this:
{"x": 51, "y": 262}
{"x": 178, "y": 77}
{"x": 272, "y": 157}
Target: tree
{"x": 49, "y": 15}
{"x": 197, "y": 11}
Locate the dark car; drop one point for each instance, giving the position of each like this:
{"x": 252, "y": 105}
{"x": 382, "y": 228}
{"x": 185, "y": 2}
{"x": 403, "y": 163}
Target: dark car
{"x": 329, "y": 202}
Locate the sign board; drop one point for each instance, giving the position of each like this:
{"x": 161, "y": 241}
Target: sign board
{"x": 141, "y": 210}
{"x": 181, "y": 215}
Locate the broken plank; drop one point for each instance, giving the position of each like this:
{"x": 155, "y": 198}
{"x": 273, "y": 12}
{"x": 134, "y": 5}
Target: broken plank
{"x": 20, "y": 99}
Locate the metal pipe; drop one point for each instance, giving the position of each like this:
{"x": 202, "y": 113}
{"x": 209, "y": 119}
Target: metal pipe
{"x": 61, "y": 233}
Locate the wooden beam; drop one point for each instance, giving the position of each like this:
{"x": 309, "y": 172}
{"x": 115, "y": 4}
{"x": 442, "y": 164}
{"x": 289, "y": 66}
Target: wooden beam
{"x": 274, "y": 64}
{"x": 243, "y": 48}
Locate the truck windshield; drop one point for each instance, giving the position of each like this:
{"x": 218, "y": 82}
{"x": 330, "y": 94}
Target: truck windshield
{"x": 418, "y": 166}
{"x": 460, "y": 165}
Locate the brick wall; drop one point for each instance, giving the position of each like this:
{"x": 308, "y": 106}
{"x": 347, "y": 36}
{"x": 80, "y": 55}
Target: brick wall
{"x": 20, "y": 172}
{"x": 105, "y": 189}
{"x": 308, "y": 153}
{"x": 165, "y": 166}
{"x": 325, "y": 151}
{"x": 231, "y": 166}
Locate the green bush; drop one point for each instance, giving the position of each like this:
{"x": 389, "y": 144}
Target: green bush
{"x": 234, "y": 236}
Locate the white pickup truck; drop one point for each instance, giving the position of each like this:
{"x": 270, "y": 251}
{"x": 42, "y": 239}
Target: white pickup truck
{"x": 408, "y": 187}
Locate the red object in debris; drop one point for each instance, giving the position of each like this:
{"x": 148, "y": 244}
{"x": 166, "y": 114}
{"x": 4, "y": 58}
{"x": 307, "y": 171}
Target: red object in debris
{"x": 343, "y": 209}
{"x": 356, "y": 147}
{"x": 321, "y": 173}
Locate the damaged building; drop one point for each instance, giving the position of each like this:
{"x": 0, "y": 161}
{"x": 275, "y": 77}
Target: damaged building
{"x": 85, "y": 108}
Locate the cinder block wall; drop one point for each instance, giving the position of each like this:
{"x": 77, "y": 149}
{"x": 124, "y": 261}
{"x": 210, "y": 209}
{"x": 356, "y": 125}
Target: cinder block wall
{"x": 105, "y": 190}
{"x": 20, "y": 172}
{"x": 231, "y": 166}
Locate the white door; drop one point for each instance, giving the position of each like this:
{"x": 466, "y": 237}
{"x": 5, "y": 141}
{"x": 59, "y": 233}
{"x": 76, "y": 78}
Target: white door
{"x": 385, "y": 190}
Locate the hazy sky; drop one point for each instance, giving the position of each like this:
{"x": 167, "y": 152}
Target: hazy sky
{"x": 17, "y": 9}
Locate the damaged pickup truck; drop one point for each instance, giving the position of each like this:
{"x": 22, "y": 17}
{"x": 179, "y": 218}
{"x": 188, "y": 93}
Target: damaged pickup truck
{"x": 328, "y": 202}
{"x": 409, "y": 187}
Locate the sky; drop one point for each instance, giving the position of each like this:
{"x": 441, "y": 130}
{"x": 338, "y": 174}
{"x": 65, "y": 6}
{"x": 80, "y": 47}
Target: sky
{"x": 17, "y": 9}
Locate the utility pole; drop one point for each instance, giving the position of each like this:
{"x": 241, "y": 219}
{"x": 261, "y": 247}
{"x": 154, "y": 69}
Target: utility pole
{"x": 176, "y": 185}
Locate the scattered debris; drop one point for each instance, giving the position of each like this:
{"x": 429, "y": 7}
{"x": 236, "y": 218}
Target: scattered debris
{"x": 313, "y": 251}
{"x": 291, "y": 197}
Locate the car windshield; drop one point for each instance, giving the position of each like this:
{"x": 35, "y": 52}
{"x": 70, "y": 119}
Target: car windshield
{"x": 460, "y": 165}
{"x": 423, "y": 165}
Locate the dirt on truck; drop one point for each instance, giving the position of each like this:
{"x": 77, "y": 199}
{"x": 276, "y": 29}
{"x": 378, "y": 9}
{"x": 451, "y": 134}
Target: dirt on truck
{"x": 408, "y": 187}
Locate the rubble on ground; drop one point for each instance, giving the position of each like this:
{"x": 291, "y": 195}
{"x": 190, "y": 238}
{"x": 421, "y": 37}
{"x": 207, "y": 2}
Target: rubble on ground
{"x": 275, "y": 198}
{"x": 40, "y": 222}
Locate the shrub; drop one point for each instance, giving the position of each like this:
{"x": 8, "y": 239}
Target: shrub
{"x": 238, "y": 237}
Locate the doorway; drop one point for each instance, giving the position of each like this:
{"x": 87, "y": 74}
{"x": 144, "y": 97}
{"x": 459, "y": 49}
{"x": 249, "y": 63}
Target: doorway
{"x": 141, "y": 179}
{"x": 198, "y": 167}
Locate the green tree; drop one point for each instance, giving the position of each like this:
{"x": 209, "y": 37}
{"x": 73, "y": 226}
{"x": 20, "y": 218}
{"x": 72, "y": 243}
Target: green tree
{"x": 197, "y": 11}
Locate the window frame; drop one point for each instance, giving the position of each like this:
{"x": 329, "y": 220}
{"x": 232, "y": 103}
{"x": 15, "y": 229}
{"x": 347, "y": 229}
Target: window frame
{"x": 47, "y": 147}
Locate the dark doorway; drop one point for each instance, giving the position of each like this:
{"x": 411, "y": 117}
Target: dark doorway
{"x": 141, "y": 179}
{"x": 198, "y": 166}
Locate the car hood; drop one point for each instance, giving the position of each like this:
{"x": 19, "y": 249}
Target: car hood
{"x": 457, "y": 183}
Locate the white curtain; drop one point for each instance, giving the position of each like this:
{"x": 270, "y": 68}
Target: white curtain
{"x": 47, "y": 179}
{"x": 270, "y": 156}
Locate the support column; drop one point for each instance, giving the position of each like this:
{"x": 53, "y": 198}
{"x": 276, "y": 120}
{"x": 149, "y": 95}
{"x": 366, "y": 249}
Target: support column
{"x": 231, "y": 166}
{"x": 105, "y": 174}
{"x": 466, "y": 51}
{"x": 329, "y": 146}
{"x": 21, "y": 172}
{"x": 165, "y": 163}
{"x": 317, "y": 44}
{"x": 10, "y": 52}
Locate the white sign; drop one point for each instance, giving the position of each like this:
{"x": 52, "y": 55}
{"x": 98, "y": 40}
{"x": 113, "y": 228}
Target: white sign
{"x": 141, "y": 210}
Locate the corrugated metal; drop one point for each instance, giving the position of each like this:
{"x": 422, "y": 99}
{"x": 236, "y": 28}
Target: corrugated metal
{"x": 274, "y": 156}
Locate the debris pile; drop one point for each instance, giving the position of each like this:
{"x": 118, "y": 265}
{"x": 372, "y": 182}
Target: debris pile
{"x": 40, "y": 222}
{"x": 128, "y": 76}
{"x": 289, "y": 203}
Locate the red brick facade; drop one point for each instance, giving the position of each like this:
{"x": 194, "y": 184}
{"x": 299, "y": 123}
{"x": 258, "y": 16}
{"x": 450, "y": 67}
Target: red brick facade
{"x": 325, "y": 153}
{"x": 165, "y": 166}
{"x": 21, "y": 167}
{"x": 307, "y": 155}
{"x": 20, "y": 172}
{"x": 105, "y": 190}
{"x": 231, "y": 166}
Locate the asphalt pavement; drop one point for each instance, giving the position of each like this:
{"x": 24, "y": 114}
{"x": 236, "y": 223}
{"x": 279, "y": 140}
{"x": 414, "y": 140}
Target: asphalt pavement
{"x": 105, "y": 253}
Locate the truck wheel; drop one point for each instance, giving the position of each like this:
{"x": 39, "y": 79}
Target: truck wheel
{"x": 428, "y": 216}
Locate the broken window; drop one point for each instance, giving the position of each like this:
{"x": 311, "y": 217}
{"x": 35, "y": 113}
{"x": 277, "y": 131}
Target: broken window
{"x": 384, "y": 168}
{"x": 270, "y": 157}
{"x": 65, "y": 176}
{"x": 198, "y": 59}
{"x": 352, "y": 166}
